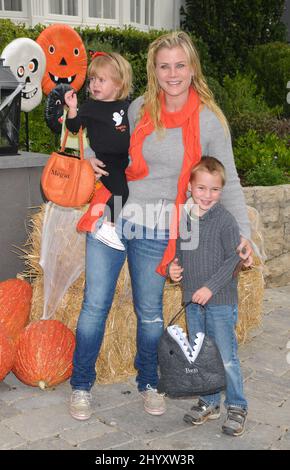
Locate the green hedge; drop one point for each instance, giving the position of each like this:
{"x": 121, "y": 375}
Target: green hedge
{"x": 271, "y": 65}
{"x": 10, "y": 31}
{"x": 131, "y": 43}
{"x": 262, "y": 160}
{"x": 240, "y": 97}
{"x": 231, "y": 28}
{"x": 245, "y": 107}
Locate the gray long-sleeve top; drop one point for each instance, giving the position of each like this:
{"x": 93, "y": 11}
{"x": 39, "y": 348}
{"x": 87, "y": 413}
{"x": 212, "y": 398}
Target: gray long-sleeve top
{"x": 206, "y": 250}
{"x": 151, "y": 199}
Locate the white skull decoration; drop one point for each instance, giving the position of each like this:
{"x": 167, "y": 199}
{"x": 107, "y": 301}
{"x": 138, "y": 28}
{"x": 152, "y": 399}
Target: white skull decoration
{"x": 27, "y": 62}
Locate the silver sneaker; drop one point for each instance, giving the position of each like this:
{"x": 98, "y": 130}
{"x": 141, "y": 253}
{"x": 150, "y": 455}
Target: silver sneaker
{"x": 201, "y": 412}
{"x": 154, "y": 402}
{"x": 81, "y": 404}
{"x": 235, "y": 423}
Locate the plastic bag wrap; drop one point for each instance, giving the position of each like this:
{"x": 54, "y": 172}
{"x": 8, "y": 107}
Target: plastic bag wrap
{"x": 62, "y": 255}
{"x": 257, "y": 237}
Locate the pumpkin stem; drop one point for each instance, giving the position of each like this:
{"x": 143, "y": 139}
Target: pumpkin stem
{"x": 42, "y": 384}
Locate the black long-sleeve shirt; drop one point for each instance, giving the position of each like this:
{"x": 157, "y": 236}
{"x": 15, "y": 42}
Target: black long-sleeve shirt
{"x": 107, "y": 129}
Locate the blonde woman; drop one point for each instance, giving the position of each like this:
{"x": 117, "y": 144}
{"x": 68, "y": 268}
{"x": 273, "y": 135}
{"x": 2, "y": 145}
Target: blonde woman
{"x": 172, "y": 125}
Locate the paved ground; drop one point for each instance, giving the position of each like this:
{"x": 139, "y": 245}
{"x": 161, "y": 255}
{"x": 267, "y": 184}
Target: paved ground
{"x": 33, "y": 419}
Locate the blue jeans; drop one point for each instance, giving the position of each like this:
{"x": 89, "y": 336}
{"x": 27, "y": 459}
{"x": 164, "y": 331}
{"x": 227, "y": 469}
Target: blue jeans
{"x": 103, "y": 265}
{"x": 218, "y": 322}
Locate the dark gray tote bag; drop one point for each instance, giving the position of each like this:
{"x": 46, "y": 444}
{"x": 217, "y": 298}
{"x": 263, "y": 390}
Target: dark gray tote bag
{"x": 187, "y": 370}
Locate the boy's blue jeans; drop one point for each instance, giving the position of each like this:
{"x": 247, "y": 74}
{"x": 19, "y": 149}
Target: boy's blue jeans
{"x": 103, "y": 265}
{"x": 218, "y": 322}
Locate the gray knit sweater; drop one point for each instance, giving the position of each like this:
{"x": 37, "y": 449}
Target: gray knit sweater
{"x": 151, "y": 199}
{"x": 209, "y": 255}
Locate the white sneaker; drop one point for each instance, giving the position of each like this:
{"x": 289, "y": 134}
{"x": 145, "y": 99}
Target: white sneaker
{"x": 81, "y": 404}
{"x": 107, "y": 234}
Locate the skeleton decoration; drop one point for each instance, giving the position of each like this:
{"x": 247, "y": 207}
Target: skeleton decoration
{"x": 27, "y": 61}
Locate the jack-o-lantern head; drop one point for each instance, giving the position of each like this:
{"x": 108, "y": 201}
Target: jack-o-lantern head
{"x": 66, "y": 58}
{"x": 27, "y": 62}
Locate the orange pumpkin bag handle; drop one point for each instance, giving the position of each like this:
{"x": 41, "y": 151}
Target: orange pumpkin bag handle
{"x": 81, "y": 143}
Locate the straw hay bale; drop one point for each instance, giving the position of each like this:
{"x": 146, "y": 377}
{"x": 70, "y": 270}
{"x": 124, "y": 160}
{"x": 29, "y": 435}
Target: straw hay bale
{"x": 116, "y": 358}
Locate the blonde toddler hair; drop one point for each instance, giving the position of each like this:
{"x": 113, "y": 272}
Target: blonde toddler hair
{"x": 121, "y": 72}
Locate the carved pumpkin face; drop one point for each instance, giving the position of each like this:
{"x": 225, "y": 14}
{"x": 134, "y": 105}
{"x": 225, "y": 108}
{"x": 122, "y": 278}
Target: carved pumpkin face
{"x": 66, "y": 58}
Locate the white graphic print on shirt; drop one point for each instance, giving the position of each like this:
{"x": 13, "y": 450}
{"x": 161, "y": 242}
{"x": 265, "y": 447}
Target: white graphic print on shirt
{"x": 118, "y": 117}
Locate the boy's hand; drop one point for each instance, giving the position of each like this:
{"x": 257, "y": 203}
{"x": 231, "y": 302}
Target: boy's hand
{"x": 175, "y": 271}
{"x": 201, "y": 296}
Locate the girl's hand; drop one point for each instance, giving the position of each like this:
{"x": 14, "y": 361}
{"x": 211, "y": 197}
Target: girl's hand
{"x": 201, "y": 296}
{"x": 245, "y": 251}
{"x": 98, "y": 167}
{"x": 175, "y": 271}
{"x": 70, "y": 99}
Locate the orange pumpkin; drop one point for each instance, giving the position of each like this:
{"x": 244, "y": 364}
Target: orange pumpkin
{"x": 15, "y": 304}
{"x": 44, "y": 353}
{"x": 7, "y": 352}
{"x": 66, "y": 58}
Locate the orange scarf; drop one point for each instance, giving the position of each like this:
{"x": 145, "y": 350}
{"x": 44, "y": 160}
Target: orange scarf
{"x": 188, "y": 119}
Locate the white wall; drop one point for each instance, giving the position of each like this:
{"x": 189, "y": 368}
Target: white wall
{"x": 165, "y": 14}
{"x": 36, "y": 11}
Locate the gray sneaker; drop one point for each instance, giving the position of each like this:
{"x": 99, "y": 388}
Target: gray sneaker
{"x": 154, "y": 402}
{"x": 201, "y": 412}
{"x": 235, "y": 423}
{"x": 80, "y": 404}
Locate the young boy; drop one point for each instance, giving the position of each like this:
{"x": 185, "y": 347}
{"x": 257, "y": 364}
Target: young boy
{"x": 207, "y": 271}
